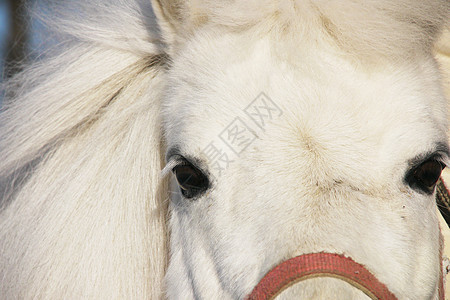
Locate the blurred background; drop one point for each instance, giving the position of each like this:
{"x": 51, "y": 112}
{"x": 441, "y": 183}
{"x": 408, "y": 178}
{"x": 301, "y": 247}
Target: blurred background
{"x": 21, "y": 34}
{"x": 4, "y": 28}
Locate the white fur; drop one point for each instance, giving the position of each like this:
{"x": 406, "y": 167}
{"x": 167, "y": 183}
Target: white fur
{"x": 83, "y": 136}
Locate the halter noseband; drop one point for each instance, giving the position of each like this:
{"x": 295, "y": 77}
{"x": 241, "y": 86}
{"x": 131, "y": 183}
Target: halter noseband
{"x": 315, "y": 265}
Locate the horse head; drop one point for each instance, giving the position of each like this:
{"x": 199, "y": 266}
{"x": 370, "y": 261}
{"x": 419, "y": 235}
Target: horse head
{"x": 210, "y": 146}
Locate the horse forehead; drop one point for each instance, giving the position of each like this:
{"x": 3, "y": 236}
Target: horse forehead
{"x": 323, "y": 92}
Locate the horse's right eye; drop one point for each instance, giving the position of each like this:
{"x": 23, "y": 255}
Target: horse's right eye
{"x": 191, "y": 180}
{"x": 426, "y": 175}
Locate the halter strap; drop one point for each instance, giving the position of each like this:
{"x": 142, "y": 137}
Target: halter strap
{"x": 443, "y": 201}
{"x": 315, "y": 265}
{"x": 443, "y": 204}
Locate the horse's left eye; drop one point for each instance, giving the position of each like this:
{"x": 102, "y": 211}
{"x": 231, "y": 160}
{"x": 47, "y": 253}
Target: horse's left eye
{"x": 191, "y": 180}
{"x": 426, "y": 175}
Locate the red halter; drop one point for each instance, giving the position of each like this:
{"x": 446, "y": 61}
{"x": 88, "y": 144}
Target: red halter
{"x": 319, "y": 265}
{"x": 323, "y": 265}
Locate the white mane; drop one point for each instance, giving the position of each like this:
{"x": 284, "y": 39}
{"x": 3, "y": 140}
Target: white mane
{"x": 83, "y": 206}
{"x": 89, "y": 195}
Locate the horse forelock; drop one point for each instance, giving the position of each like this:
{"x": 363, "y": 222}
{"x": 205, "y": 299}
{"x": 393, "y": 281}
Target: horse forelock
{"x": 370, "y": 29}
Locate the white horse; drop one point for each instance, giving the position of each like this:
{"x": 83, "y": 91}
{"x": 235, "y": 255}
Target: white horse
{"x": 292, "y": 127}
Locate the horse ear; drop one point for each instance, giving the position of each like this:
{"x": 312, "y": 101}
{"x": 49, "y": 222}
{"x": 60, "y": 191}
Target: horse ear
{"x": 177, "y": 19}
